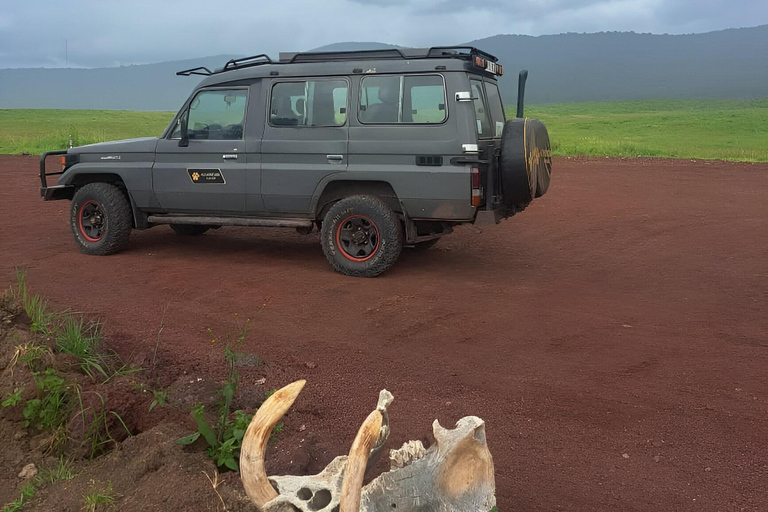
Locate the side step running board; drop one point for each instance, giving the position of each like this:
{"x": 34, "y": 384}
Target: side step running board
{"x": 229, "y": 221}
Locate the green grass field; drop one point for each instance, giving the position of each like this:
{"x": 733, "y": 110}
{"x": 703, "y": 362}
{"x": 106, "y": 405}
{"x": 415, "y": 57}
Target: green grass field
{"x": 693, "y": 129}
{"x": 701, "y": 129}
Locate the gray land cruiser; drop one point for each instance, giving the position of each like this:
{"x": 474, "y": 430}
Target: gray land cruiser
{"x": 377, "y": 149}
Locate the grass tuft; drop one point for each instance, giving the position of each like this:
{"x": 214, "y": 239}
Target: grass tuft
{"x": 104, "y": 496}
{"x": 28, "y": 491}
{"x": 63, "y": 470}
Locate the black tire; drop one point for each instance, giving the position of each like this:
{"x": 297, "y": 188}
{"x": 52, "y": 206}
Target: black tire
{"x": 361, "y": 236}
{"x": 423, "y": 246}
{"x": 189, "y": 229}
{"x": 544, "y": 168}
{"x": 101, "y": 219}
{"x": 526, "y": 161}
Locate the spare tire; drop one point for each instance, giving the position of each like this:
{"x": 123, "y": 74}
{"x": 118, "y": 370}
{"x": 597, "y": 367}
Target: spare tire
{"x": 526, "y": 161}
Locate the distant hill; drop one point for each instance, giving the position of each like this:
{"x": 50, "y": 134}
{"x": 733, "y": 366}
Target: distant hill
{"x": 563, "y": 68}
{"x": 137, "y": 87}
{"x": 626, "y": 66}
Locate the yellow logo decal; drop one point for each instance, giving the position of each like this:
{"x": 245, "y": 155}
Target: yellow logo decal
{"x": 195, "y": 176}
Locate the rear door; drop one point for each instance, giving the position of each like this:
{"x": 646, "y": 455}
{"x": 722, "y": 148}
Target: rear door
{"x": 305, "y": 140}
{"x": 209, "y": 175}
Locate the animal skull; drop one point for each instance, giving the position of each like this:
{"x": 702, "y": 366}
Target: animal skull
{"x": 453, "y": 475}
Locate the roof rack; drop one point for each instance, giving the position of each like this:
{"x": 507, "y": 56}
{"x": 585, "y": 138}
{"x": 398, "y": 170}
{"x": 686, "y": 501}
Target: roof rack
{"x": 392, "y": 53}
{"x": 231, "y": 65}
{"x": 435, "y": 52}
{"x": 202, "y": 71}
{"x": 246, "y": 62}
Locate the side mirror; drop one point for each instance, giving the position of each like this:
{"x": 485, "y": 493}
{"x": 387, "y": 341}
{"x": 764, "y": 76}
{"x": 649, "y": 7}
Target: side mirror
{"x": 184, "y": 141}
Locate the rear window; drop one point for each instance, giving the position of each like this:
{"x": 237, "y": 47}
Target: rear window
{"x": 417, "y": 99}
{"x": 496, "y": 107}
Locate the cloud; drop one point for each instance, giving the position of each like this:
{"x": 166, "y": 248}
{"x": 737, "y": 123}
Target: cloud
{"x": 100, "y": 33}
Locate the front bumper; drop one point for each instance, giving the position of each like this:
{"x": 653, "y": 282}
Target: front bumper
{"x": 54, "y": 192}
{"x": 57, "y": 192}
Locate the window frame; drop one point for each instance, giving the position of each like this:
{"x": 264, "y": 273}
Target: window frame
{"x": 306, "y": 80}
{"x": 185, "y": 111}
{"x": 400, "y": 99}
{"x": 488, "y": 101}
{"x": 484, "y": 100}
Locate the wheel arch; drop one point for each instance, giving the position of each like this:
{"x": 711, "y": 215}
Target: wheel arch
{"x": 81, "y": 179}
{"x": 336, "y": 190}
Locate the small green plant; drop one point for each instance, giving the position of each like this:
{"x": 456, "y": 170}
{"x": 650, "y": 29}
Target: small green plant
{"x": 31, "y": 354}
{"x": 28, "y": 491}
{"x": 225, "y": 436}
{"x": 64, "y": 470}
{"x": 49, "y": 409}
{"x": 34, "y": 306}
{"x": 161, "y": 398}
{"x": 81, "y": 339}
{"x": 13, "y": 399}
{"x": 97, "y": 433}
{"x": 104, "y": 496}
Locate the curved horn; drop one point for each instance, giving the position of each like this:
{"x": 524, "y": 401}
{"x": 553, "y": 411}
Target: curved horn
{"x": 252, "y": 470}
{"x": 352, "y": 486}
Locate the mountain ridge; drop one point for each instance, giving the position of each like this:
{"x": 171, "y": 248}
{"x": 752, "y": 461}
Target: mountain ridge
{"x": 568, "y": 67}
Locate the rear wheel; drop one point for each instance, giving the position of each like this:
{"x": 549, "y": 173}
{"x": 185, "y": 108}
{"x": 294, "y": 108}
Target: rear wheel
{"x": 361, "y": 236}
{"x": 101, "y": 220}
{"x": 189, "y": 229}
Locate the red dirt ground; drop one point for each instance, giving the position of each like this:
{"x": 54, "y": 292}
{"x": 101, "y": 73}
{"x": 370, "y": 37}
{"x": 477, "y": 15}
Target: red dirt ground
{"x": 614, "y": 336}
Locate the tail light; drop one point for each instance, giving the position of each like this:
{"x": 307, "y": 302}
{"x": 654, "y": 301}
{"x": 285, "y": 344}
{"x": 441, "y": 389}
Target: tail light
{"x": 477, "y": 188}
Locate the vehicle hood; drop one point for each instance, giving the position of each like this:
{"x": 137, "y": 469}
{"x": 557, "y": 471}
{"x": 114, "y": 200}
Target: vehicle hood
{"x": 140, "y": 145}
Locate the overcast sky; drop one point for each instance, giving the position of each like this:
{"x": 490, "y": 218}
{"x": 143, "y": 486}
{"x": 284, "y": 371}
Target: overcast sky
{"x": 114, "y": 32}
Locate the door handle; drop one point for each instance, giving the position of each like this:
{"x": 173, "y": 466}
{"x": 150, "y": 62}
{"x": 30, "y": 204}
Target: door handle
{"x": 335, "y": 158}
{"x": 229, "y": 157}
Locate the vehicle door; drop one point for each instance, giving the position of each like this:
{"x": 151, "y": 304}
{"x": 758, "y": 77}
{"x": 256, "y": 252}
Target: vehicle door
{"x": 403, "y": 135}
{"x": 305, "y": 140}
{"x": 208, "y": 172}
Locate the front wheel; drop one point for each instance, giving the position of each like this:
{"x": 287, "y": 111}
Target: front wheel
{"x": 361, "y": 236}
{"x": 101, "y": 220}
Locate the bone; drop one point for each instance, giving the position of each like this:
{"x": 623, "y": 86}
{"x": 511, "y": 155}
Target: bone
{"x": 454, "y": 475}
{"x": 364, "y": 442}
{"x": 252, "y": 471}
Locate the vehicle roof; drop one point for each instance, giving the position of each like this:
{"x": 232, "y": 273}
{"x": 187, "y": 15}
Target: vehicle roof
{"x": 400, "y": 60}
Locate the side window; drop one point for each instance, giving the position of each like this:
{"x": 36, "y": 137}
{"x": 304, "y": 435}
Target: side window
{"x": 380, "y": 99}
{"x": 217, "y": 115}
{"x": 423, "y": 99}
{"x": 402, "y": 99}
{"x": 496, "y": 107}
{"x": 483, "y": 124}
{"x": 309, "y": 103}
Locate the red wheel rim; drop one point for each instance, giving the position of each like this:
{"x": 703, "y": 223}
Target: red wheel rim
{"x": 357, "y": 238}
{"x": 91, "y": 221}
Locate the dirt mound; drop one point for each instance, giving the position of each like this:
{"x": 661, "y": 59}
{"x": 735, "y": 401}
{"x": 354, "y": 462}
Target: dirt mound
{"x": 116, "y": 442}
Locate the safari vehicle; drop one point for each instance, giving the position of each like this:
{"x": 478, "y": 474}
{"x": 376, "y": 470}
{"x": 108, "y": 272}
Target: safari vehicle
{"x": 377, "y": 149}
